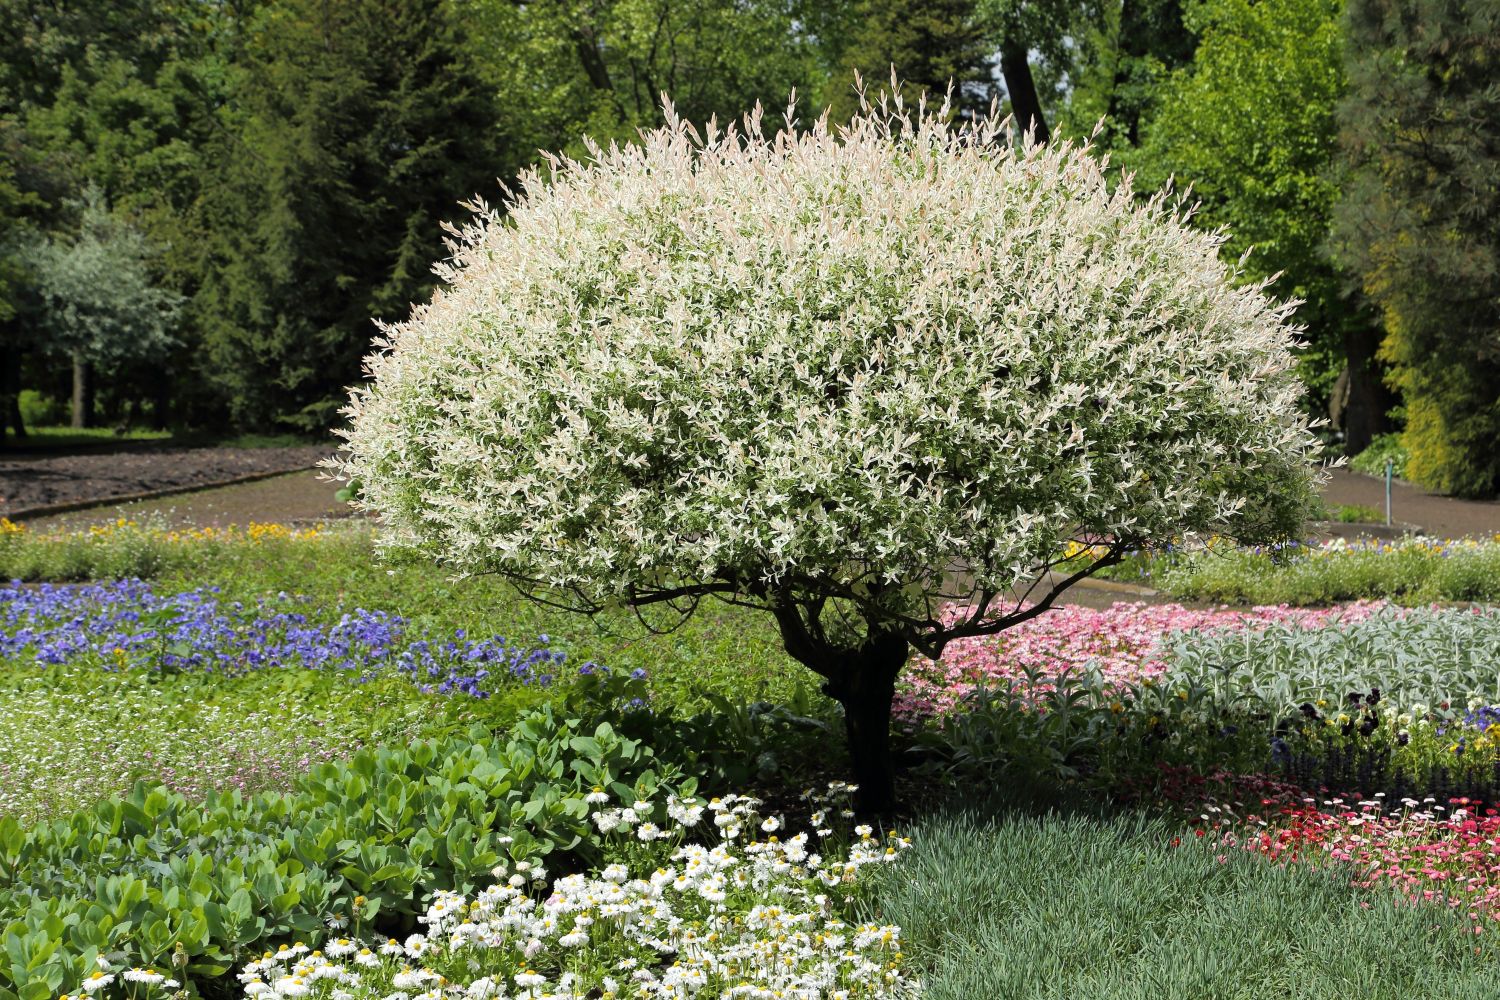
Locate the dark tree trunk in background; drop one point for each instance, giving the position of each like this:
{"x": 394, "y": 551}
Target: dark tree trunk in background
{"x": 161, "y": 405}
{"x": 83, "y": 393}
{"x": 1369, "y": 397}
{"x": 10, "y": 394}
{"x": 1015, "y": 66}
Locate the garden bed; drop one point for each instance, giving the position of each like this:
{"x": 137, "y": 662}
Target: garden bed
{"x": 428, "y": 732}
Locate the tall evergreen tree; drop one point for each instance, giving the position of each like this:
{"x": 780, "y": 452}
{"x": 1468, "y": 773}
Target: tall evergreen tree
{"x": 119, "y": 97}
{"x": 355, "y": 127}
{"x": 929, "y": 44}
{"x": 1420, "y": 221}
{"x": 16, "y": 203}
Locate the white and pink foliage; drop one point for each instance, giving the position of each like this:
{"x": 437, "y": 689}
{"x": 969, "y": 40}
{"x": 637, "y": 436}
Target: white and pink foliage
{"x": 863, "y": 356}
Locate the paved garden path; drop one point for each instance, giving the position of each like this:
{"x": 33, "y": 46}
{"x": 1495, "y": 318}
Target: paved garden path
{"x": 1436, "y": 515}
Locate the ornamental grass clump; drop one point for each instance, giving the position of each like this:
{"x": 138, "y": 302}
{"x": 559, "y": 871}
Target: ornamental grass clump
{"x": 844, "y": 376}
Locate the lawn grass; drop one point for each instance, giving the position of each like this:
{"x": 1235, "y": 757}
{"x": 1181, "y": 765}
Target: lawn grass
{"x": 734, "y": 652}
{"x": 75, "y": 734}
{"x": 60, "y": 438}
{"x": 1079, "y": 907}
{"x": 49, "y": 438}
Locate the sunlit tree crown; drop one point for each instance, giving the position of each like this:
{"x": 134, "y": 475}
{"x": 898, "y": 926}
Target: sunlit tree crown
{"x": 873, "y": 360}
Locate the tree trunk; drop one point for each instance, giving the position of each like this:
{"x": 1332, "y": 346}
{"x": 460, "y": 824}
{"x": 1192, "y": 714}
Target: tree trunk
{"x": 1015, "y": 66}
{"x": 10, "y": 394}
{"x": 12, "y": 415}
{"x": 1369, "y": 397}
{"x": 161, "y": 405}
{"x": 864, "y": 682}
{"x": 83, "y": 394}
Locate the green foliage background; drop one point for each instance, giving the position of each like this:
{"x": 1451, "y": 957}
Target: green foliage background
{"x": 1419, "y": 221}
{"x": 289, "y": 165}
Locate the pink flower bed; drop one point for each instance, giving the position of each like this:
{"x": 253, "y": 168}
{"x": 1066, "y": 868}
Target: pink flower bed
{"x": 1122, "y": 640}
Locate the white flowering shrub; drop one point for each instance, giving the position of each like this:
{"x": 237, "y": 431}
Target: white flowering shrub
{"x": 754, "y": 916}
{"x": 838, "y": 376}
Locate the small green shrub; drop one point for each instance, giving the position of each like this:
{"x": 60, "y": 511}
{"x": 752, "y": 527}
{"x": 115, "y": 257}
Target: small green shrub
{"x": 1411, "y": 571}
{"x": 41, "y": 410}
{"x": 1355, "y": 513}
{"x": 139, "y": 876}
{"x": 1384, "y": 448}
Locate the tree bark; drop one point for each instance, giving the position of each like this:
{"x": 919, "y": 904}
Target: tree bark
{"x": 864, "y": 683}
{"x": 83, "y": 393}
{"x": 1015, "y": 66}
{"x": 13, "y": 416}
{"x": 10, "y": 394}
{"x": 1370, "y": 399}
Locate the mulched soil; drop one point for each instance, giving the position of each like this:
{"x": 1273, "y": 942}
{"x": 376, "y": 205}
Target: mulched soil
{"x": 297, "y": 498}
{"x": 29, "y": 481}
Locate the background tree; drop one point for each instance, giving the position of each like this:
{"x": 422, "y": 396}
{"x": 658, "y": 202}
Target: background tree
{"x": 1125, "y": 55}
{"x": 353, "y": 127}
{"x": 97, "y": 305}
{"x": 1024, "y": 28}
{"x": 1420, "y": 222}
{"x": 1250, "y": 125}
{"x": 780, "y": 372}
{"x": 16, "y": 206}
{"x": 563, "y": 69}
{"x": 930, "y": 45}
{"x": 118, "y": 97}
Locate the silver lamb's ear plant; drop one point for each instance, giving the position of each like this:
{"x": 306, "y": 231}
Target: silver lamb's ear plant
{"x": 871, "y": 381}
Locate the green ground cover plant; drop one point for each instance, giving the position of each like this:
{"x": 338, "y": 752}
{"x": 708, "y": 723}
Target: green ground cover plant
{"x": 1355, "y": 514}
{"x": 1099, "y": 907}
{"x": 73, "y": 735}
{"x": 714, "y": 903}
{"x": 1411, "y": 571}
{"x": 145, "y": 876}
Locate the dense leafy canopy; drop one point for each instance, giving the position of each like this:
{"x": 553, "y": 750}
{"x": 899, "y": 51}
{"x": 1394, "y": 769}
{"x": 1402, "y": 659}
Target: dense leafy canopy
{"x": 845, "y": 378}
